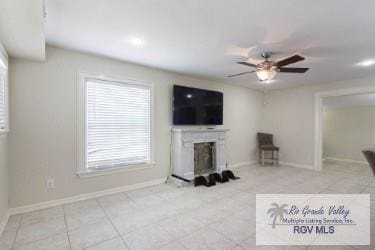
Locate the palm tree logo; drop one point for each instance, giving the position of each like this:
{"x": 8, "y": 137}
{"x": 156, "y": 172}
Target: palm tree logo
{"x": 277, "y": 211}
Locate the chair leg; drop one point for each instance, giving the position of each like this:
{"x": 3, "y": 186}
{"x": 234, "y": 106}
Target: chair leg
{"x": 262, "y": 157}
{"x": 277, "y": 159}
{"x": 258, "y": 153}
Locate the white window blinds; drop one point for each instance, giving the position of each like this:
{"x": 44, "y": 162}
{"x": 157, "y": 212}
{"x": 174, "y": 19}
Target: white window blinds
{"x": 3, "y": 114}
{"x": 117, "y": 124}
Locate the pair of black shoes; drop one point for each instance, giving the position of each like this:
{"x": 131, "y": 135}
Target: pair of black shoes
{"x": 213, "y": 178}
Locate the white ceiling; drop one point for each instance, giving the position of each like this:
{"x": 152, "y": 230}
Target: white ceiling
{"x": 206, "y": 38}
{"x": 367, "y": 99}
{"x": 22, "y": 30}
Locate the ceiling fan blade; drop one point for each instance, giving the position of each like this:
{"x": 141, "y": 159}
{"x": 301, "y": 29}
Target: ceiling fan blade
{"x": 247, "y": 64}
{"x": 243, "y": 73}
{"x": 290, "y": 60}
{"x": 293, "y": 70}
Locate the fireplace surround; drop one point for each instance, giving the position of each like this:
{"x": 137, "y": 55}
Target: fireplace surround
{"x": 186, "y": 142}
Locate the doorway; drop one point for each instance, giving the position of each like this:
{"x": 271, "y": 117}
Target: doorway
{"x": 348, "y": 128}
{"x": 322, "y": 149}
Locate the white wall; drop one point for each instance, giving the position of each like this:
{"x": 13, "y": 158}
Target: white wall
{"x": 347, "y": 131}
{"x": 289, "y": 115}
{"x": 43, "y": 123}
{"x": 4, "y": 194}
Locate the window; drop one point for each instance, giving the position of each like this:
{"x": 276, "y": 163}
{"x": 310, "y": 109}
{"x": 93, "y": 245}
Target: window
{"x": 3, "y": 98}
{"x": 117, "y": 123}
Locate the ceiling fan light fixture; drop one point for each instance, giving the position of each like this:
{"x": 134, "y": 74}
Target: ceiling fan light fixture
{"x": 267, "y": 69}
{"x": 266, "y": 75}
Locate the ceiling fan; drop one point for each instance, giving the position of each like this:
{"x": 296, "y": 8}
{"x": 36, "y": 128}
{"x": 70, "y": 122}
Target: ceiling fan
{"x": 268, "y": 69}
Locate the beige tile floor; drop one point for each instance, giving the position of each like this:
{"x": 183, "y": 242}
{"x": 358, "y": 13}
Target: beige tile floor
{"x": 167, "y": 217}
{"x": 348, "y": 168}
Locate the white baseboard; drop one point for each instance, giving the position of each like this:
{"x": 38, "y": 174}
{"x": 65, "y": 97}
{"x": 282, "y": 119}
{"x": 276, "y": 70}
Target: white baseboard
{"x": 4, "y": 221}
{"x": 63, "y": 201}
{"x": 345, "y": 160}
{"x": 242, "y": 164}
{"x": 297, "y": 165}
{"x": 291, "y": 164}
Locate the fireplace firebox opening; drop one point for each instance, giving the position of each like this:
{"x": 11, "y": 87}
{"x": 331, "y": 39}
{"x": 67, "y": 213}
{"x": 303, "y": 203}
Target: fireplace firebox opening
{"x": 204, "y": 158}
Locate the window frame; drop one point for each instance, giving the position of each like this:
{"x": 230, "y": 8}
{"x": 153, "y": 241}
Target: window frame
{"x": 82, "y": 170}
{"x": 4, "y": 67}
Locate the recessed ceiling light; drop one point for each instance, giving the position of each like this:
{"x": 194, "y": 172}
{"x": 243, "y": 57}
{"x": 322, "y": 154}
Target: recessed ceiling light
{"x": 366, "y": 63}
{"x": 137, "y": 41}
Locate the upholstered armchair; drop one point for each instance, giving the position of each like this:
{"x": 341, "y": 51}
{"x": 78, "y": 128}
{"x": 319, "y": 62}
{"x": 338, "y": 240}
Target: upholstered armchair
{"x": 265, "y": 144}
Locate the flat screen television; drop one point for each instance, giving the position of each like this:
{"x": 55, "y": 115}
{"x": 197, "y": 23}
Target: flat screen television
{"x": 192, "y": 106}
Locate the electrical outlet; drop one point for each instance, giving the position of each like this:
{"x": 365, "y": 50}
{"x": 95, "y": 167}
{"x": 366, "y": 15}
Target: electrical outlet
{"x": 50, "y": 183}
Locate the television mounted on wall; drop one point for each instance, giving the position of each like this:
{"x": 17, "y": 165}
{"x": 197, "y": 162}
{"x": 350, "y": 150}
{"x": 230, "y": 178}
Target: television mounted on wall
{"x": 193, "y": 106}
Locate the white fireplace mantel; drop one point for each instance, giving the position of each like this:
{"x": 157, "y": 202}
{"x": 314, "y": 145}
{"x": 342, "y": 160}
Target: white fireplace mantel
{"x": 183, "y": 140}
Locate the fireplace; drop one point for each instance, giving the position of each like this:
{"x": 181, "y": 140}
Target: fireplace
{"x": 204, "y": 158}
{"x": 195, "y": 152}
